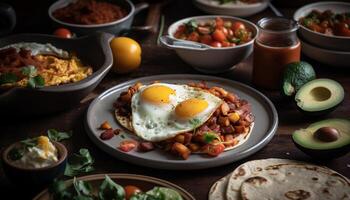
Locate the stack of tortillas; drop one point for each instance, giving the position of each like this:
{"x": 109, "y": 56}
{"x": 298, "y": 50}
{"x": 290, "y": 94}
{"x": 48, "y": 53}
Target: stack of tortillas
{"x": 279, "y": 179}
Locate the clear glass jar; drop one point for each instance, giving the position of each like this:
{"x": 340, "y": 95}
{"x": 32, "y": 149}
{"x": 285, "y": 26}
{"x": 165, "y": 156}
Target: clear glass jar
{"x": 277, "y": 44}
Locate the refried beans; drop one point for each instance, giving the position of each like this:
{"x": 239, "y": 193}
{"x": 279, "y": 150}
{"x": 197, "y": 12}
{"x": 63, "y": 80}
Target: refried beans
{"x": 89, "y": 12}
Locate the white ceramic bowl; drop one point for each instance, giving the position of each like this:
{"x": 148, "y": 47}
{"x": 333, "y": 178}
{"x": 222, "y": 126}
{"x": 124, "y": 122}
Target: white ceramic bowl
{"x": 214, "y": 60}
{"x": 238, "y": 10}
{"x": 338, "y": 43}
{"x": 325, "y": 56}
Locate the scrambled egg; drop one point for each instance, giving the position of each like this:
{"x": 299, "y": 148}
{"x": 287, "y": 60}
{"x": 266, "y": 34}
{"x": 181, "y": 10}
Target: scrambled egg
{"x": 60, "y": 71}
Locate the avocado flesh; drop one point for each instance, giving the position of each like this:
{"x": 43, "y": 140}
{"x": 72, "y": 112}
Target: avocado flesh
{"x": 319, "y": 95}
{"x": 306, "y": 139}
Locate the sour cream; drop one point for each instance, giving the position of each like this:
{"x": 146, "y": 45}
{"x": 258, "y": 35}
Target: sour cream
{"x": 42, "y": 155}
{"x": 37, "y": 48}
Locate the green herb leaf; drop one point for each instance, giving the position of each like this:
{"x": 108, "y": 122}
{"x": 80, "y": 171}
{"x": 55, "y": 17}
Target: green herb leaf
{"x": 16, "y": 153}
{"x": 195, "y": 123}
{"x": 209, "y": 137}
{"x": 30, "y": 142}
{"x": 8, "y": 78}
{"x": 79, "y": 163}
{"x": 109, "y": 190}
{"x": 55, "y": 135}
{"x": 191, "y": 26}
{"x": 82, "y": 188}
{"x": 29, "y": 71}
{"x": 59, "y": 190}
{"x": 35, "y": 82}
{"x": 164, "y": 193}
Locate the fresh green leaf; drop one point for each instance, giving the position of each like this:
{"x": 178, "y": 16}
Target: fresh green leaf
{"x": 59, "y": 190}
{"x": 109, "y": 190}
{"x": 191, "y": 26}
{"x": 29, "y": 71}
{"x": 234, "y": 40}
{"x": 30, "y": 142}
{"x": 35, "y": 82}
{"x": 16, "y": 153}
{"x": 79, "y": 163}
{"x": 226, "y": 1}
{"x": 55, "y": 135}
{"x": 82, "y": 188}
{"x": 209, "y": 137}
{"x": 8, "y": 78}
{"x": 164, "y": 193}
{"x": 195, "y": 123}
{"x": 143, "y": 196}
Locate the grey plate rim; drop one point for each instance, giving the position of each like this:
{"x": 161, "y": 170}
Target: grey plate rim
{"x": 176, "y": 164}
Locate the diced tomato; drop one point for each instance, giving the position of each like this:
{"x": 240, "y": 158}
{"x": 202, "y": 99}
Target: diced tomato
{"x": 203, "y": 29}
{"x": 216, "y": 44}
{"x": 317, "y": 28}
{"x": 107, "y": 134}
{"x": 214, "y": 149}
{"x": 237, "y": 25}
{"x": 130, "y": 190}
{"x": 180, "y": 30}
{"x": 145, "y": 146}
{"x": 342, "y": 29}
{"x": 194, "y": 36}
{"x": 219, "y": 35}
{"x": 206, "y": 39}
{"x": 62, "y": 33}
{"x": 219, "y": 22}
{"x": 226, "y": 44}
{"x": 127, "y": 145}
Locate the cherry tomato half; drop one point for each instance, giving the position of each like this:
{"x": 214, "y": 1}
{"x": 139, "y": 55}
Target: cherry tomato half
{"x": 127, "y": 145}
{"x": 130, "y": 190}
{"x": 219, "y": 22}
{"x": 62, "y": 33}
{"x": 206, "y": 39}
{"x": 237, "y": 25}
{"x": 219, "y": 35}
{"x": 216, "y": 44}
{"x": 214, "y": 149}
{"x": 342, "y": 29}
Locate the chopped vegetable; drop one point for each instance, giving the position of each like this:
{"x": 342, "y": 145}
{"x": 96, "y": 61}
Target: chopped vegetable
{"x": 107, "y": 134}
{"x": 105, "y": 125}
{"x": 127, "y": 145}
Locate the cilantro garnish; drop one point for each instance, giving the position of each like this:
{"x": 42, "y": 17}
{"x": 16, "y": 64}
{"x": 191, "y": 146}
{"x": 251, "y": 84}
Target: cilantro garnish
{"x": 34, "y": 80}
{"x": 55, "y": 135}
{"x": 8, "y": 78}
{"x": 79, "y": 163}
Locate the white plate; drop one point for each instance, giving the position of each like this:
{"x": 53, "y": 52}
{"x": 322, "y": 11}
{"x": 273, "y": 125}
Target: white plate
{"x": 265, "y": 125}
{"x": 237, "y": 9}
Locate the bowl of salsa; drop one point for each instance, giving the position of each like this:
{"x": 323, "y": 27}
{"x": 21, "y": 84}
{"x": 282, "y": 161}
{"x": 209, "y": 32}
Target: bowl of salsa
{"x": 227, "y": 41}
{"x": 325, "y": 25}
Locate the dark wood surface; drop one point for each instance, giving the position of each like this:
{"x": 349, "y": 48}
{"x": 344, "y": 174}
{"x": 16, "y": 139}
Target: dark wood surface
{"x": 157, "y": 60}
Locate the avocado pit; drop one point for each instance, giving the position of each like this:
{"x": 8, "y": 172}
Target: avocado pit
{"x": 327, "y": 134}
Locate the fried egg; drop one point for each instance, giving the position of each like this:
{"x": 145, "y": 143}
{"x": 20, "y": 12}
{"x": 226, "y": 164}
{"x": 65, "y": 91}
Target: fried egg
{"x": 161, "y": 111}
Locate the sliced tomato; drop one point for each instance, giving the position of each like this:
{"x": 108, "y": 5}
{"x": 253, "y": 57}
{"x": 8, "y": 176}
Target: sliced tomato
{"x": 206, "y": 39}
{"x": 127, "y": 145}
{"x": 316, "y": 28}
{"x": 219, "y": 22}
{"x": 180, "y": 30}
{"x": 203, "y": 29}
{"x": 131, "y": 190}
{"x": 237, "y": 25}
{"x": 342, "y": 29}
{"x": 214, "y": 149}
{"x": 219, "y": 35}
{"x": 216, "y": 44}
{"x": 226, "y": 44}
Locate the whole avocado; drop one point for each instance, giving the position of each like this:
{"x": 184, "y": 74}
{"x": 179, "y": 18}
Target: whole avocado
{"x": 295, "y": 75}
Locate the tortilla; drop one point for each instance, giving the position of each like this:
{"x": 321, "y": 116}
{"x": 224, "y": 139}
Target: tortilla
{"x": 218, "y": 189}
{"x": 296, "y": 182}
{"x": 124, "y": 121}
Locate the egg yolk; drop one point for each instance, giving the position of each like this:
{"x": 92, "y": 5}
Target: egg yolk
{"x": 157, "y": 94}
{"x": 190, "y": 107}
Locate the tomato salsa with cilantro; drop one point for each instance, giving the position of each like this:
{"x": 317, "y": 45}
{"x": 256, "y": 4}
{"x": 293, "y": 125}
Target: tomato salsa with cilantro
{"x": 216, "y": 33}
{"x": 327, "y": 22}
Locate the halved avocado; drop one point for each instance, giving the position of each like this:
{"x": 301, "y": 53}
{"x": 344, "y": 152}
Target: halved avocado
{"x": 319, "y": 96}
{"x": 310, "y": 143}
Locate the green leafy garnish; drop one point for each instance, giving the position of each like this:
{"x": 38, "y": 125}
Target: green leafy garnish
{"x": 83, "y": 189}
{"x": 59, "y": 190}
{"x": 30, "y": 142}
{"x": 191, "y": 26}
{"x": 8, "y": 78}
{"x": 209, "y": 137}
{"x": 35, "y": 82}
{"x": 109, "y": 190}
{"x": 234, "y": 40}
{"x": 29, "y": 71}
{"x": 55, "y": 135}
{"x": 158, "y": 193}
{"x": 195, "y": 123}
{"x": 79, "y": 163}
{"x": 226, "y": 1}
{"x": 16, "y": 153}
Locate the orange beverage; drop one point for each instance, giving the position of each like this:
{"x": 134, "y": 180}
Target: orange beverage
{"x": 275, "y": 46}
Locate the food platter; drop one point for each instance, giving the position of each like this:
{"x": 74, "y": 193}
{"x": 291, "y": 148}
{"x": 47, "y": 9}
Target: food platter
{"x": 142, "y": 182}
{"x": 265, "y": 125}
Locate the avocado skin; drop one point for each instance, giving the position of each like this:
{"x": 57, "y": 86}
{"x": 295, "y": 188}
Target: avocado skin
{"x": 296, "y": 74}
{"x": 328, "y": 154}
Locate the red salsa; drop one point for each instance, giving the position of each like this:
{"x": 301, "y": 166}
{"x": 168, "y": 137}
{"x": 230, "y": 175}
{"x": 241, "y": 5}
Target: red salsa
{"x": 216, "y": 33}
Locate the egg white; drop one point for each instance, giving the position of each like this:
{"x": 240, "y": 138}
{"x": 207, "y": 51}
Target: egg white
{"x": 158, "y": 122}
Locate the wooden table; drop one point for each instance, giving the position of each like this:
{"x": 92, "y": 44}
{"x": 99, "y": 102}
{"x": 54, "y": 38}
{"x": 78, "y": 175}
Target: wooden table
{"x": 157, "y": 60}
